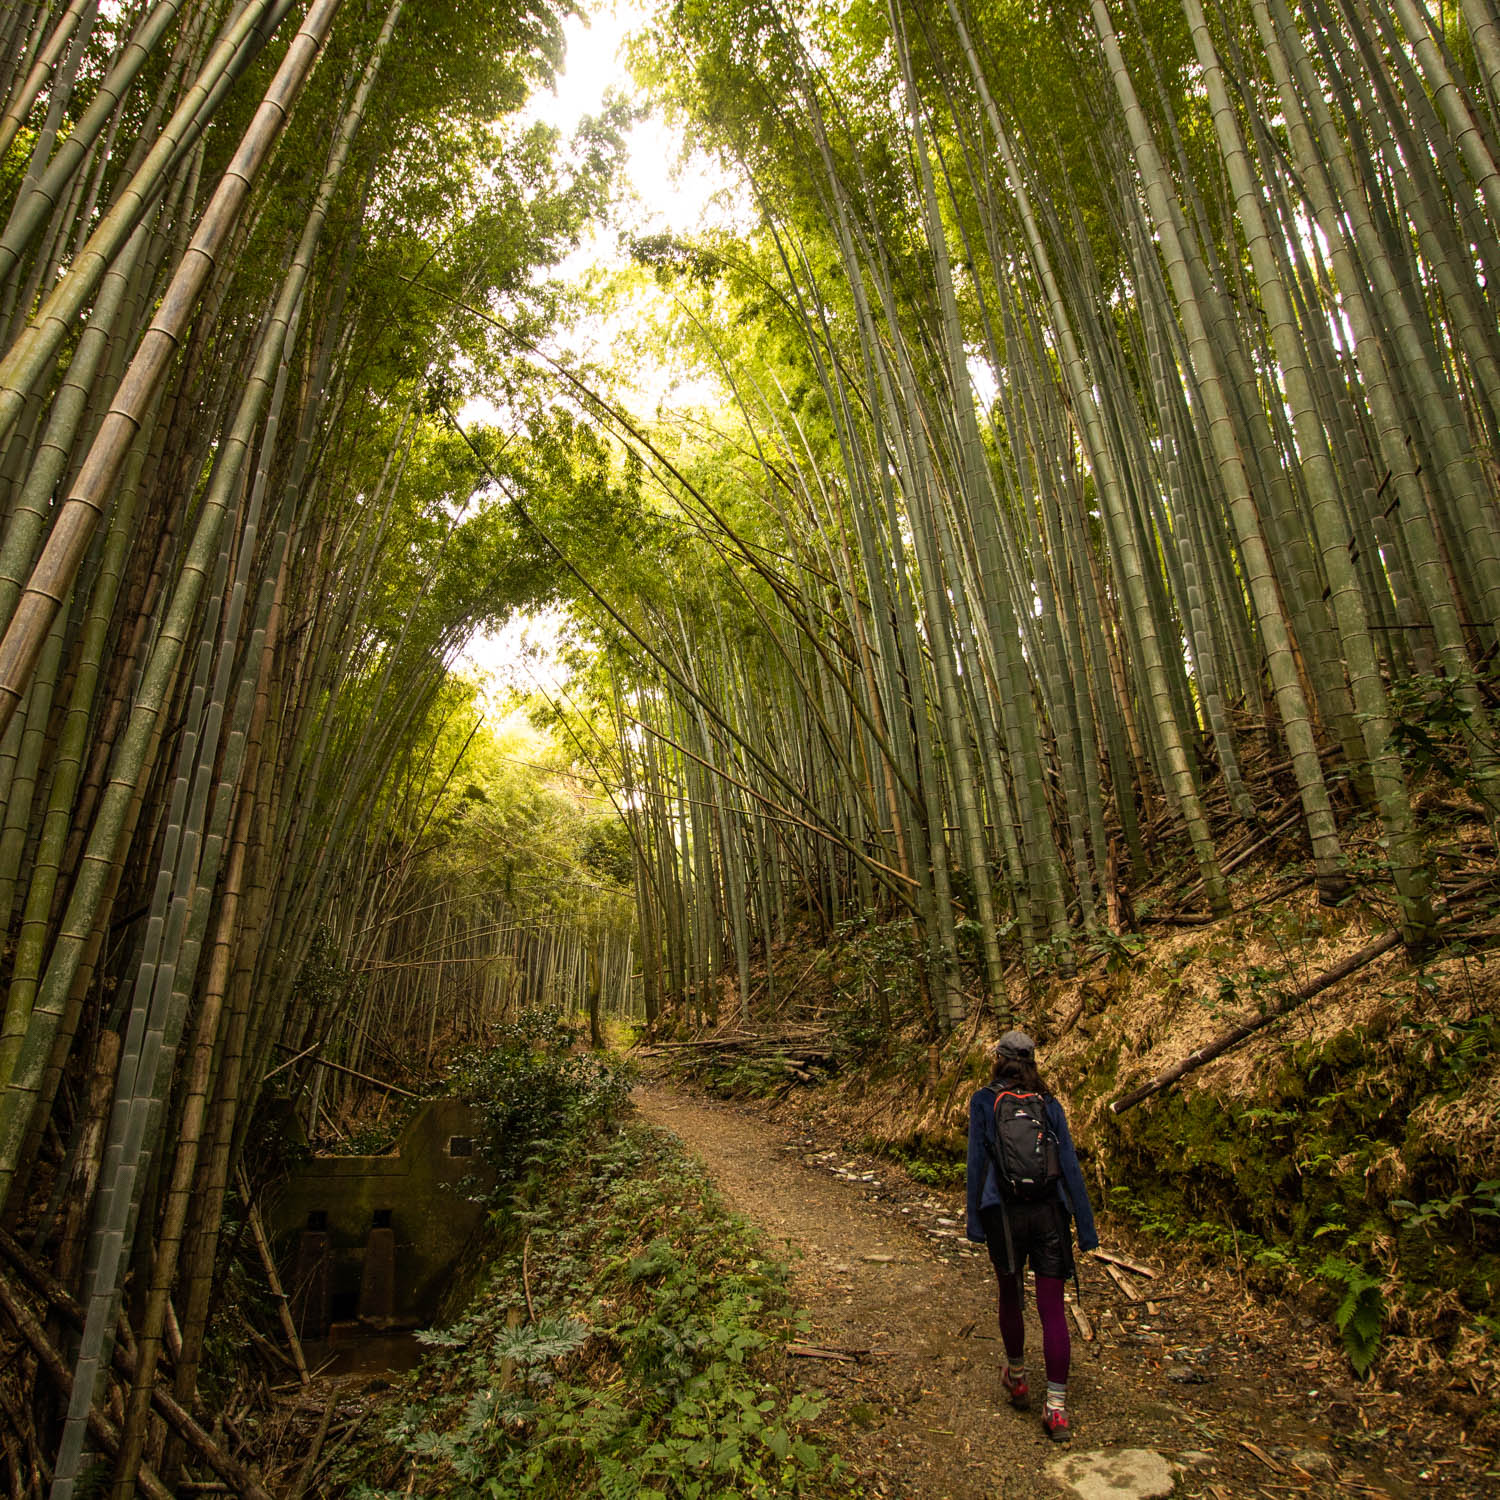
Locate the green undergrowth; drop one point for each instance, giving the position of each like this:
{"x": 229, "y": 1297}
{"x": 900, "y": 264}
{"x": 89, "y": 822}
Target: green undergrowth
{"x": 629, "y": 1341}
{"x": 1331, "y": 1180}
{"x": 928, "y": 1162}
{"x": 739, "y": 1078}
{"x": 537, "y": 1093}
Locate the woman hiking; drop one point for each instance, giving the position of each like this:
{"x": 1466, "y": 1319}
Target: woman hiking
{"x": 1024, "y": 1187}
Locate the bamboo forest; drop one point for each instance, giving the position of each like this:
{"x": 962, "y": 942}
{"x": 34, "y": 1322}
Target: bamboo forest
{"x": 617, "y": 619}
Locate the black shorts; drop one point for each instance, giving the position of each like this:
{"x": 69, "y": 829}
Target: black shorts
{"x": 1040, "y": 1235}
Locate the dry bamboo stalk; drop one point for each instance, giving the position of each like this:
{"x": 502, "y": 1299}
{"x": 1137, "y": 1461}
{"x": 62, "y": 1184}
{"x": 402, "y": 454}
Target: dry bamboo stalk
{"x": 101, "y": 1429}
{"x": 273, "y": 1277}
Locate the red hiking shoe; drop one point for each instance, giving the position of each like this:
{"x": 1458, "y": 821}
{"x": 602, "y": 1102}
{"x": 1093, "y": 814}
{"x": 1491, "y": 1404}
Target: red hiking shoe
{"x": 1055, "y": 1424}
{"x": 1016, "y": 1388}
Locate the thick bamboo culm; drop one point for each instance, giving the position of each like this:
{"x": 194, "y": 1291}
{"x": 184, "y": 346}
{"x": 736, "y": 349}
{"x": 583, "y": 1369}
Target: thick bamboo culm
{"x": 1110, "y": 493}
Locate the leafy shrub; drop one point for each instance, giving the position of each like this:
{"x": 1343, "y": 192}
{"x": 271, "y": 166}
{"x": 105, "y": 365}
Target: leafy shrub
{"x": 931, "y": 1166}
{"x": 628, "y": 1344}
{"x": 536, "y": 1094}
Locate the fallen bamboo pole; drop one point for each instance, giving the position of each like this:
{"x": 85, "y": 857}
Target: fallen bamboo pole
{"x": 230, "y": 1470}
{"x": 1210, "y": 1050}
{"x": 101, "y": 1429}
{"x": 828, "y": 1351}
{"x": 268, "y": 1265}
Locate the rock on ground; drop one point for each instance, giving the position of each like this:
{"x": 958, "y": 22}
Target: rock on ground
{"x": 1114, "y": 1474}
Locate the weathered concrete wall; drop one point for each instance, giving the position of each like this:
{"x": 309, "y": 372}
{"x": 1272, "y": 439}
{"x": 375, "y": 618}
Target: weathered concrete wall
{"x": 414, "y": 1192}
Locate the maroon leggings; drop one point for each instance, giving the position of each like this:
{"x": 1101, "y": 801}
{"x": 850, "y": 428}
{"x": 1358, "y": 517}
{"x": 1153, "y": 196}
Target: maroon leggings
{"x": 1057, "y": 1347}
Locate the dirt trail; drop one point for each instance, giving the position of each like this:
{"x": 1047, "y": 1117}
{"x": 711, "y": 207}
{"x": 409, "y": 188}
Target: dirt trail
{"x": 880, "y": 1264}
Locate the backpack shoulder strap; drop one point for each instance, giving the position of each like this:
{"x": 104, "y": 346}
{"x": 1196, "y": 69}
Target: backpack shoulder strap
{"x": 991, "y": 1122}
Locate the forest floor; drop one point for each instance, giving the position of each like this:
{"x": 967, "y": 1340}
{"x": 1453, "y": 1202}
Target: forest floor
{"x": 1245, "y": 1398}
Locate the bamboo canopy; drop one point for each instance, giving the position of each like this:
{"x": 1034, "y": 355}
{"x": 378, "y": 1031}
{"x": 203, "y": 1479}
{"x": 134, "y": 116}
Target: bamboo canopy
{"x": 1103, "y": 489}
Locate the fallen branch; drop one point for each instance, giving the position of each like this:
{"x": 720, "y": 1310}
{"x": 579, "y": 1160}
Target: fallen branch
{"x": 1233, "y": 863}
{"x": 229, "y": 1469}
{"x": 1203, "y": 919}
{"x": 1210, "y": 1050}
{"x": 101, "y": 1429}
{"x": 1277, "y": 892}
{"x": 827, "y": 1351}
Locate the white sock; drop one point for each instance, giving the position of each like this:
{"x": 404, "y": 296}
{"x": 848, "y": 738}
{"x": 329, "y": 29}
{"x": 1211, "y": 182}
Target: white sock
{"x": 1057, "y": 1393}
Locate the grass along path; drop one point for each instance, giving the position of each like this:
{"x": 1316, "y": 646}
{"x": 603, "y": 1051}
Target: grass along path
{"x": 1243, "y": 1398}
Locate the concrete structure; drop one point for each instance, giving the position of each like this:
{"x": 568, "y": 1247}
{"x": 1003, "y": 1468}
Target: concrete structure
{"x": 376, "y": 1238}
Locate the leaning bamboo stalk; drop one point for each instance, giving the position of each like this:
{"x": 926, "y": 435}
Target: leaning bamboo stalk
{"x": 32, "y": 507}
{"x": 52, "y": 578}
{"x": 19, "y": 105}
{"x": 150, "y": 1085}
{"x": 68, "y": 758}
{"x": 1207, "y": 363}
{"x": 38, "y": 201}
{"x": 25, "y": 362}
{"x": 1402, "y": 852}
{"x": 268, "y": 1264}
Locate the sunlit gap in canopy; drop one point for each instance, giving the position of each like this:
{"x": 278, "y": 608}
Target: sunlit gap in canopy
{"x": 668, "y": 189}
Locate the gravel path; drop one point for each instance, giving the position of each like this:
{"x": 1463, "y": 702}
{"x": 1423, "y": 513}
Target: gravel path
{"x": 1197, "y": 1372}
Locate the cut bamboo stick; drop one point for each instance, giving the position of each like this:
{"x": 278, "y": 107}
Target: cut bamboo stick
{"x": 1110, "y": 1258}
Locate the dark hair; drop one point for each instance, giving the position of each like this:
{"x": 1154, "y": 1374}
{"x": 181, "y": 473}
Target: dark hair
{"x": 1018, "y": 1073}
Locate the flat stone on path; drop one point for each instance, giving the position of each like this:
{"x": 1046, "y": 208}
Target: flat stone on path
{"x": 1114, "y": 1474}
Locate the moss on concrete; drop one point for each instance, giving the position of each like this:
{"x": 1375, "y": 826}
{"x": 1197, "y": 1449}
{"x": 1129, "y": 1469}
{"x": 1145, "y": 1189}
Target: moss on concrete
{"x": 422, "y": 1185}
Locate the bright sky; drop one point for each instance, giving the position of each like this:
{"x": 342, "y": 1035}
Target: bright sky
{"x": 667, "y": 189}
{"x": 674, "y": 191}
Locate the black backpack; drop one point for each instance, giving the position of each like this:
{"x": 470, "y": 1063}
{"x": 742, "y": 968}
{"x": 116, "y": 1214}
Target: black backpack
{"x": 1023, "y": 1147}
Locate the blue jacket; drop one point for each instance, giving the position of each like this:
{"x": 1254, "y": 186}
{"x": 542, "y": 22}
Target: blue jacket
{"x": 983, "y": 1192}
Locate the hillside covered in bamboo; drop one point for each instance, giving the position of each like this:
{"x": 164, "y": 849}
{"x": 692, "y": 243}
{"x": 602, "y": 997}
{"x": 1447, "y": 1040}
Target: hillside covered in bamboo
{"x": 1069, "y": 598}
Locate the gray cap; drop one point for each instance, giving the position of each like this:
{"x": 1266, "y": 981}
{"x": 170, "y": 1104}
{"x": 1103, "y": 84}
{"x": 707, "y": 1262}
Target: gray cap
{"x": 1015, "y": 1045}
